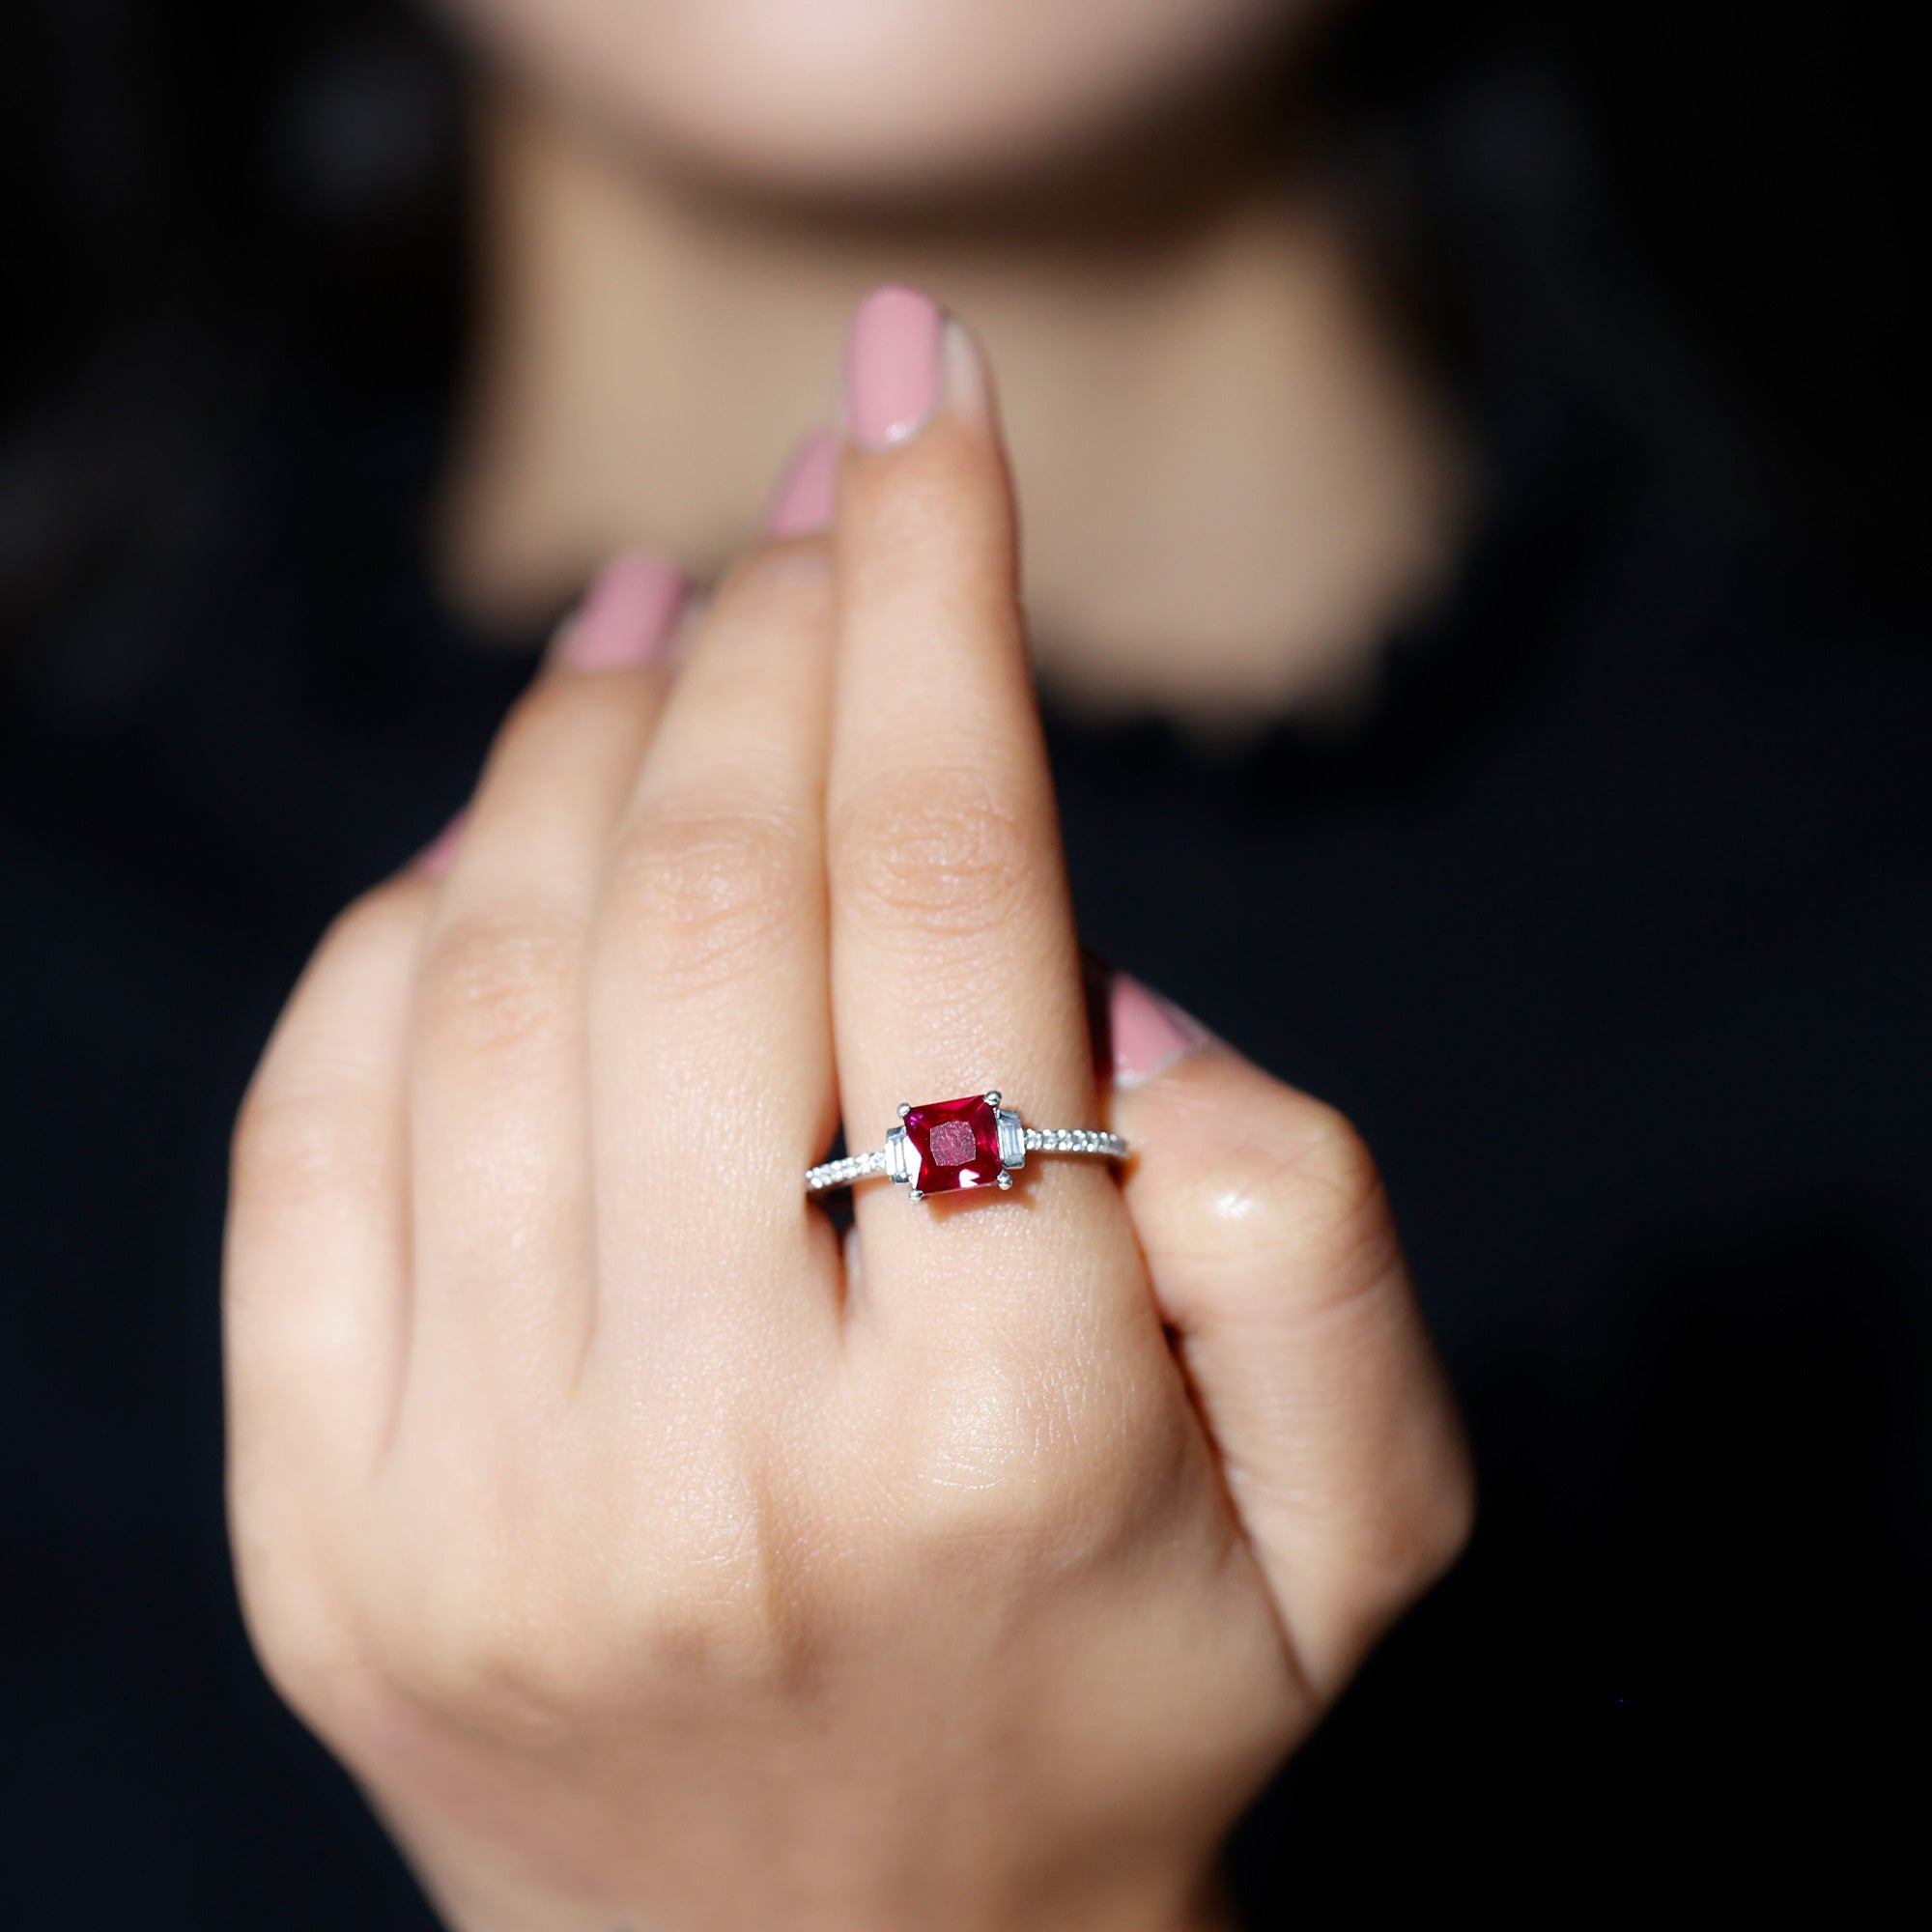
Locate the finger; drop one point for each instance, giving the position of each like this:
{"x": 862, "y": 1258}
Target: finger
{"x": 713, "y": 1081}
{"x": 1275, "y": 1258}
{"x": 503, "y": 1237}
{"x": 954, "y": 967}
{"x": 314, "y": 1293}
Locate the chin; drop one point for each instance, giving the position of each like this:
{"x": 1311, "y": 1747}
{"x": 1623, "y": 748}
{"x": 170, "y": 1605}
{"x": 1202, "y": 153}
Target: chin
{"x": 880, "y": 98}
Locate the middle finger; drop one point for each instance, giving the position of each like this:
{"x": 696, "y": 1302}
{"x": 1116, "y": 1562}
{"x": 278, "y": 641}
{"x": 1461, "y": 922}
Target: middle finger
{"x": 714, "y": 1083}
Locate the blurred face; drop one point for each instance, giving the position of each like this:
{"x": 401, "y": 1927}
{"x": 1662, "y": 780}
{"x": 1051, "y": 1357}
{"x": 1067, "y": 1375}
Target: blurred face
{"x": 892, "y": 97}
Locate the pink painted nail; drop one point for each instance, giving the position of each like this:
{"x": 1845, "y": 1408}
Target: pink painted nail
{"x": 1149, "y": 1034}
{"x": 893, "y": 366}
{"x": 628, "y": 615}
{"x": 802, "y": 503}
{"x": 440, "y": 852}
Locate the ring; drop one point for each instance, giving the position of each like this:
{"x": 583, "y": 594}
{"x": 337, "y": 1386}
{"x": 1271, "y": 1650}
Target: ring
{"x": 947, "y": 1146}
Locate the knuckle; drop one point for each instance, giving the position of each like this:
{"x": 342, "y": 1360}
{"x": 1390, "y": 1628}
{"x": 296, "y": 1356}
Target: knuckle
{"x": 1401, "y": 1548}
{"x": 773, "y": 586}
{"x": 983, "y": 1503}
{"x": 1328, "y": 1163}
{"x": 308, "y": 1659}
{"x": 1308, "y": 1194}
{"x": 1027, "y": 1466}
{"x": 469, "y": 1658}
{"x": 542, "y": 710}
{"x": 947, "y": 855}
{"x": 379, "y": 921}
{"x": 313, "y": 1682}
{"x": 1397, "y": 1516}
{"x": 994, "y": 1520}
{"x": 737, "y": 1605}
{"x": 461, "y": 1632}
{"x": 703, "y": 895}
{"x": 549, "y": 720}
{"x": 292, "y": 1145}
{"x": 297, "y": 1631}
{"x": 1448, "y": 1522}
{"x": 498, "y": 982}
{"x": 742, "y": 1632}
{"x": 502, "y": 1679}
{"x": 533, "y": 1660}
{"x": 1443, "y": 1513}
{"x": 305, "y": 1126}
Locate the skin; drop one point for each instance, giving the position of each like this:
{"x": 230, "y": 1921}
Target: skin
{"x": 882, "y": 101}
{"x": 653, "y": 1560}
{"x": 1221, "y": 438}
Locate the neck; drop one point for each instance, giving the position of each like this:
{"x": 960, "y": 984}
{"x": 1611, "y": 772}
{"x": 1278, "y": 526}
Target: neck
{"x": 1232, "y": 482}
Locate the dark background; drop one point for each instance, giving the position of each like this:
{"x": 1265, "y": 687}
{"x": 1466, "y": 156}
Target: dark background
{"x": 1667, "y": 255}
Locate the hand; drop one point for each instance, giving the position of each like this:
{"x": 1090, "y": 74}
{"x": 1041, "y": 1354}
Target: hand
{"x": 653, "y": 1559}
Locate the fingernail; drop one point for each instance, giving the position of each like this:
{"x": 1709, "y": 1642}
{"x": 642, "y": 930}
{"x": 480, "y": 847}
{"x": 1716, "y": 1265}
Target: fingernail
{"x": 437, "y": 856}
{"x": 893, "y": 366}
{"x": 628, "y": 615}
{"x": 802, "y": 503}
{"x": 1149, "y": 1036}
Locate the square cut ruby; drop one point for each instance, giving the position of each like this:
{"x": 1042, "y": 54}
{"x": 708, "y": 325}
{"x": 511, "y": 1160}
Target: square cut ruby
{"x": 952, "y": 1144}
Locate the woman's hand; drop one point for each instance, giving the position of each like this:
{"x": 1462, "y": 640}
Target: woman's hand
{"x": 654, "y": 1560}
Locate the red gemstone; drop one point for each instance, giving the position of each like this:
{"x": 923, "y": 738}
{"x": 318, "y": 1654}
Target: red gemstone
{"x": 952, "y": 1144}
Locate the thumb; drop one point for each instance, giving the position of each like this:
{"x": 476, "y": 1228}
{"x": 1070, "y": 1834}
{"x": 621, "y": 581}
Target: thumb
{"x": 1268, "y": 1238}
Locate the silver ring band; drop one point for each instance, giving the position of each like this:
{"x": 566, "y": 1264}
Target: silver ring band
{"x": 947, "y": 1146}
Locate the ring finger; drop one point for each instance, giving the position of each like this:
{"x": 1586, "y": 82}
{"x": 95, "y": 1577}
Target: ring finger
{"x": 712, "y": 1084}
{"x": 954, "y": 964}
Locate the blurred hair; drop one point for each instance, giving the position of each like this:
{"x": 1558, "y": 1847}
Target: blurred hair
{"x": 213, "y": 203}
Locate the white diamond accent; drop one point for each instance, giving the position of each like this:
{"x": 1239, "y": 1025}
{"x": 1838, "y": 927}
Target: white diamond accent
{"x": 1017, "y": 1141}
